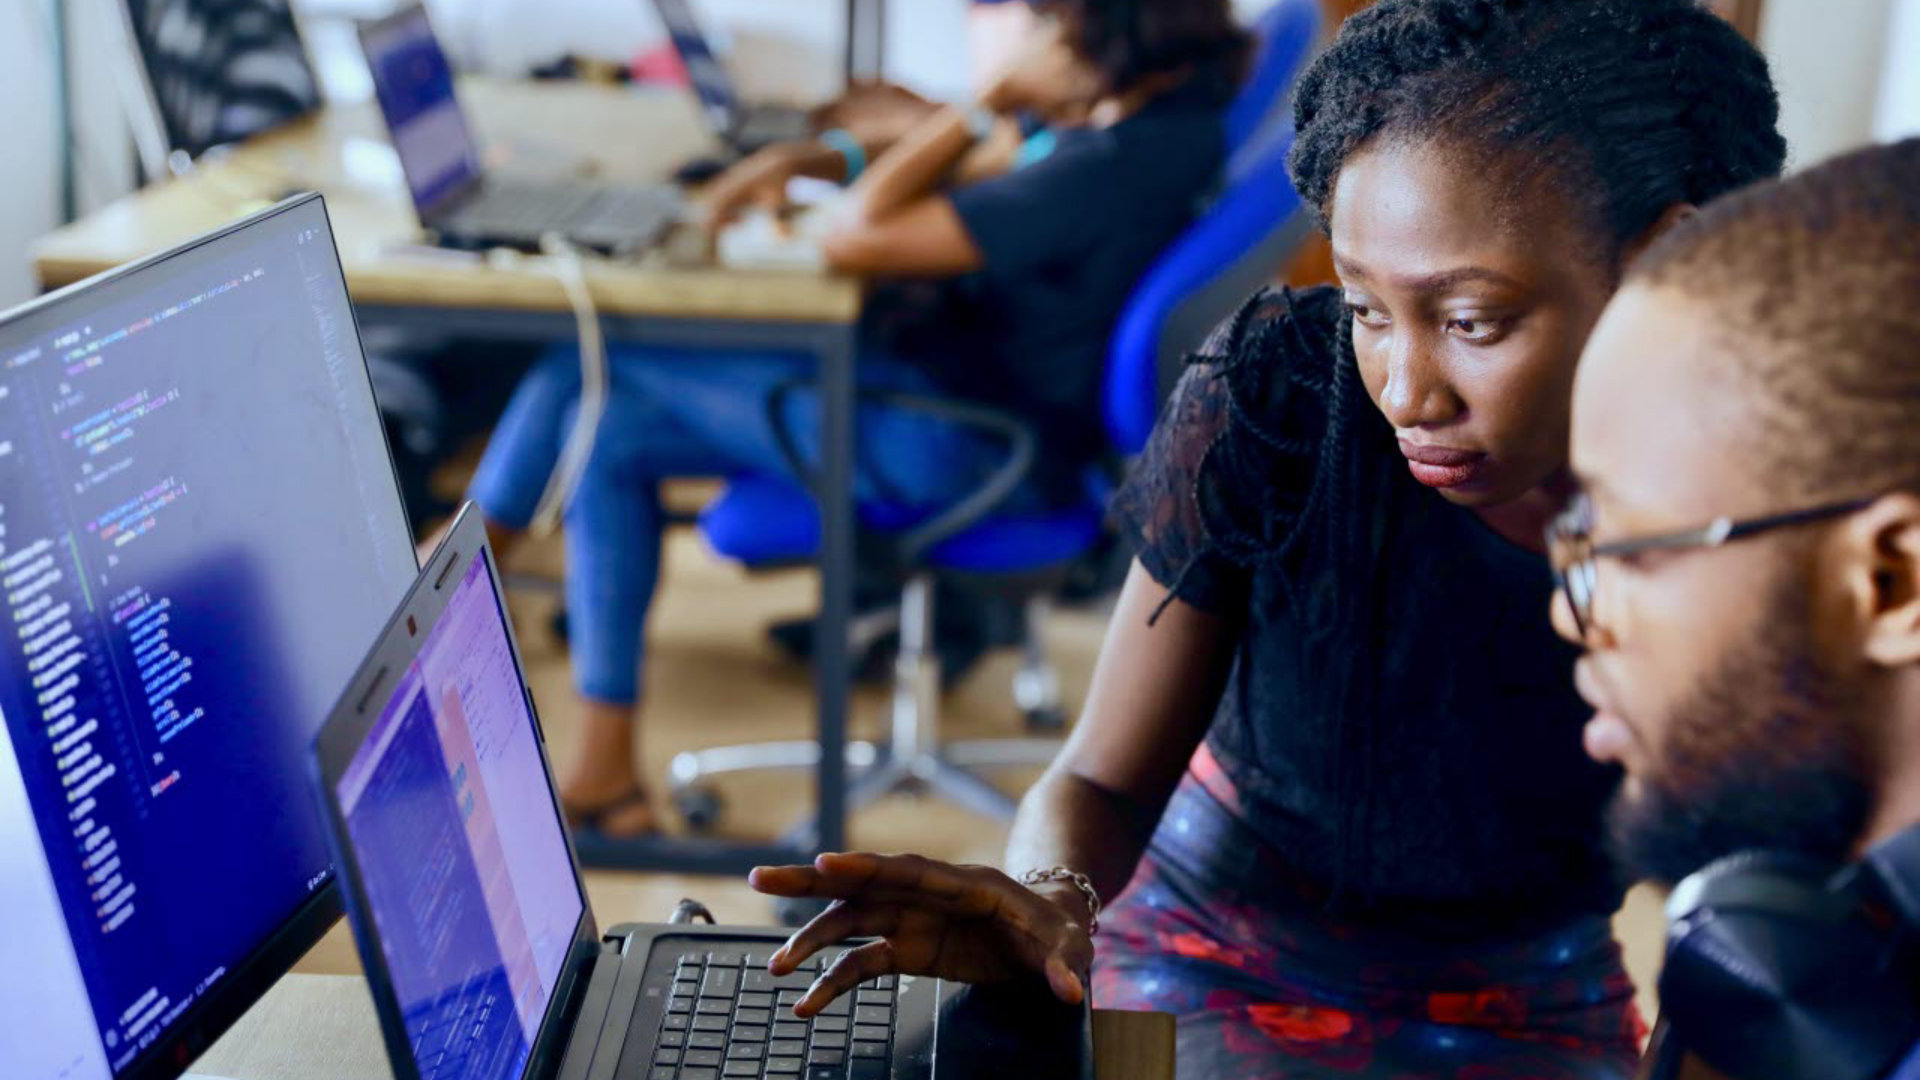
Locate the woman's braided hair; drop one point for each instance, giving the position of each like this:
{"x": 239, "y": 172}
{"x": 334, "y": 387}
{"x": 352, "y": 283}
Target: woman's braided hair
{"x": 1634, "y": 106}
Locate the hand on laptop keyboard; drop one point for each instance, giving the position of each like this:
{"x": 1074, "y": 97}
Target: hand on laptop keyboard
{"x": 969, "y": 924}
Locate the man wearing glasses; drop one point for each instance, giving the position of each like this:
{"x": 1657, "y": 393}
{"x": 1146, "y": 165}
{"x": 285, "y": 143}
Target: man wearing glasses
{"x": 1743, "y": 563}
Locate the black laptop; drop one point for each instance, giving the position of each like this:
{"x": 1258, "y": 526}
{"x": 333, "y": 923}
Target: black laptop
{"x": 466, "y": 206}
{"x": 482, "y": 951}
{"x": 744, "y": 127}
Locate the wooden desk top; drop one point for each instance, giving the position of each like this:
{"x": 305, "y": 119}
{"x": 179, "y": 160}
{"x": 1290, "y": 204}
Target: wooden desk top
{"x": 531, "y": 128}
{"x": 322, "y": 1027}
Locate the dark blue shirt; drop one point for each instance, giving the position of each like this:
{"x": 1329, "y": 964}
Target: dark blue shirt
{"x": 1064, "y": 241}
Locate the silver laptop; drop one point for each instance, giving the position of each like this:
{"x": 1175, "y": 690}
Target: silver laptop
{"x": 465, "y": 206}
{"x": 744, "y": 127}
{"x": 483, "y": 953}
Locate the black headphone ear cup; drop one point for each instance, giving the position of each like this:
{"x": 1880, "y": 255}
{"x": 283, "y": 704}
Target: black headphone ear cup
{"x": 1772, "y": 974}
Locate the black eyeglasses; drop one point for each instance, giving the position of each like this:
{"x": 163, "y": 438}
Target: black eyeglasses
{"x": 1575, "y": 556}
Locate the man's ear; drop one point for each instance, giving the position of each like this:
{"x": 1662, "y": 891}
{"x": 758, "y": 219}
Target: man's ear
{"x": 1883, "y": 542}
{"x": 1672, "y": 216}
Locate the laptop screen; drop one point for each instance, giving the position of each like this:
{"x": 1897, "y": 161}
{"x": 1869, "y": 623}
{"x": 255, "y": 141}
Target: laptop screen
{"x": 718, "y": 102}
{"x": 465, "y": 869}
{"x": 414, "y": 84}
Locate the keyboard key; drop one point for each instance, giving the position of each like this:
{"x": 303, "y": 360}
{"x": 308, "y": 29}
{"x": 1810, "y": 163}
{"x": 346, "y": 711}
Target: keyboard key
{"x": 725, "y": 958}
{"x": 752, "y": 1016}
{"x": 708, "y": 1023}
{"x": 789, "y": 1031}
{"x": 715, "y": 1006}
{"x": 699, "y": 1074}
{"x": 702, "y": 1057}
{"x": 661, "y": 1073}
{"x": 830, "y": 1040}
{"x": 756, "y": 979}
{"x": 755, "y": 1001}
{"x": 741, "y": 1069}
{"x": 871, "y": 1014}
{"x": 749, "y": 1034}
{"x": 786, "y": 1048}
{"x": 746, "y": 1051}
{"x": 759, "y": 960}
{"x": 869, "y": 1049}
{"x": 707, "y": 1040}
{"x": 675, "y": 1022}
{"x": 830, "y": 1023}
{"x": 673, "y": 1038}
{"x": 826, "y": 1072}
{"x": 869, "y": 1033}
{"x": 799, "y": 980}
{"x": 818, "y": 1056}
{"x": 666, "y": 1057}
{"x": 679, "y": 1005}
{"x": 873, "y": 997}
{"x": 720, "y": 982}
{"x": 868, "y": 1069}
{"x": 839, "y": 1006}
{"x": 783, "y": 1066}
{"x": 884, "y": 982}
{"x": 787, "y": 999}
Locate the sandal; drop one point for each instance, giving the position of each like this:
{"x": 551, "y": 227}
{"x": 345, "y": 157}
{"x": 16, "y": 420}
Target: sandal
{"x": 582, "y": 819}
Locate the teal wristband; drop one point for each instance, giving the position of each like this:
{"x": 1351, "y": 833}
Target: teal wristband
{"x": 849, "y": 148}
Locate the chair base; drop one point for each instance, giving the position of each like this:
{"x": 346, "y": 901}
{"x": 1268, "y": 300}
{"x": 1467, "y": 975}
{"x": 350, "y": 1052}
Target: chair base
{"x": 913, "y": 760}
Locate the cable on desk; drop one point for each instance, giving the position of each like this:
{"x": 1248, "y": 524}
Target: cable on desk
{"x": 563, "y": 259}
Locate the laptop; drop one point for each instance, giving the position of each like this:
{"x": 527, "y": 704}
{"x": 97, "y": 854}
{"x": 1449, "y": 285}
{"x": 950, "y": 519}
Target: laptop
{"x": 742, "y": 126}
{"x": 483, "y": 953}
{"x": 467, "y": 207}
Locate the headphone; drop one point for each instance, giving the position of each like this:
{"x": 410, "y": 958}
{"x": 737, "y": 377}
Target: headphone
{"x": 1780, "y": 967}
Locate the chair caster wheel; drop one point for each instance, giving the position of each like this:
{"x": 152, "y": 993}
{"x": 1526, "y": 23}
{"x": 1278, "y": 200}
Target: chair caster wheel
{"x": 797, "y": 912}
{"x": 700, "y": 807}
{"x": 1050, "y": 719}
{"x": 560, "y": 627}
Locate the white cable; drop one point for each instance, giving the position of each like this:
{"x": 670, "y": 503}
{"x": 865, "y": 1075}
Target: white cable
{"x": 564, "y": 260}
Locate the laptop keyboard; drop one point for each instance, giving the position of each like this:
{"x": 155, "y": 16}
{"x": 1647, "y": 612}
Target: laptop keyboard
{"x": 727, "y": 1018}
{"x": 591, "y": 212}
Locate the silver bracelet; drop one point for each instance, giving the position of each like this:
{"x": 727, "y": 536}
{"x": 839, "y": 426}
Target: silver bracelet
{"x": 1077, "y": 880}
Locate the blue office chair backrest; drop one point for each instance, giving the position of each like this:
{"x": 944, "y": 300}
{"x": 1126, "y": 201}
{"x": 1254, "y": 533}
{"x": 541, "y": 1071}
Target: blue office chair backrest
{"x": 1284, "y": 37}
{"x": 1235, "y": 247}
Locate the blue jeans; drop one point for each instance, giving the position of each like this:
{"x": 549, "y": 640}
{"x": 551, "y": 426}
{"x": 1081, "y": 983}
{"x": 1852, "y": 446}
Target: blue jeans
{"x": 691, "y": 413}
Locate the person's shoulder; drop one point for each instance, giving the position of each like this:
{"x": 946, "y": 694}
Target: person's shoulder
{"x": 1284, "y": 331}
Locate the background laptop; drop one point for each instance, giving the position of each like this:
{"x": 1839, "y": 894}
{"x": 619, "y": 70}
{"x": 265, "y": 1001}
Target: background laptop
{"x": 744, "y": 127}
{"x": 478, "y": 939}
{"x": 466, "y": 206}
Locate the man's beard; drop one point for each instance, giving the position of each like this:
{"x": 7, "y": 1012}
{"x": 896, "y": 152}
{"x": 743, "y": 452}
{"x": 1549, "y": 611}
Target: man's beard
{"x": 1767, "y": 753}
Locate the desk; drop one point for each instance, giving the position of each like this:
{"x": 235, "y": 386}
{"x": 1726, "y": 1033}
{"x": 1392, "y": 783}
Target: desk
{"x": 671, "y": 296}
{"x": 322, "y": 1027}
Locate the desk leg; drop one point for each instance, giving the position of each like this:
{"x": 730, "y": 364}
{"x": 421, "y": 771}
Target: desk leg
{"x": 832, "y": 674}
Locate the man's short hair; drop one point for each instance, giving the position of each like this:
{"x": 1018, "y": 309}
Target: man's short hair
{"x": 1813, "y": 283}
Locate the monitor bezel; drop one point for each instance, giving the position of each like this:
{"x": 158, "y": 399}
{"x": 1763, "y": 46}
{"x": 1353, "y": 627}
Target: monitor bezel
{"x": 210, "y": 1017}
{"x": 346, "y": 732}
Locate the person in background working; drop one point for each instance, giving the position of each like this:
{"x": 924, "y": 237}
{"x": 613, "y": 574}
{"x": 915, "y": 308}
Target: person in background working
{"x": 996, "y": 283}
{"x": 1759, "y": 677}
{"x": 1328, "y": 779}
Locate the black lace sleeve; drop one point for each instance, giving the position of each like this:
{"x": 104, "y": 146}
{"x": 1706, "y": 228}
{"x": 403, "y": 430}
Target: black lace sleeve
{"x": 1229, "y": 469}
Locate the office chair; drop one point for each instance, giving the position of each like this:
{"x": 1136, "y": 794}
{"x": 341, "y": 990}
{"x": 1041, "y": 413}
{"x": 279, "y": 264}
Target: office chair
{"x": 763, "y": 520}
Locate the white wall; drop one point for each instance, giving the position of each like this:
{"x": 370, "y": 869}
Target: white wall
{"x": 1898, "y": 115}
{"x": 1828, "y": 58}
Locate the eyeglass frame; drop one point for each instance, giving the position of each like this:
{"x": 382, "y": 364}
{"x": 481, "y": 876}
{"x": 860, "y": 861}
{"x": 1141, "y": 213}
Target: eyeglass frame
{"x": 1719, "y": 532}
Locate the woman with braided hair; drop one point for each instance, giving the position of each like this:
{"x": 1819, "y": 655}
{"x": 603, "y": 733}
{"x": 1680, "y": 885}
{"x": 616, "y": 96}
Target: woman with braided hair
{"x": 1329, "y": 778}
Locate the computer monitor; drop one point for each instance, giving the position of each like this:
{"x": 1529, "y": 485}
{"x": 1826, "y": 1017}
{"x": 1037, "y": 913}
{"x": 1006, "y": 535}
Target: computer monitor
{"x": 220, "y": 70}
{"x": 414, "y": 83}
{"x": 200, "y": 536}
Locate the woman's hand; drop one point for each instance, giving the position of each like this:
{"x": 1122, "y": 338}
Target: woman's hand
{"x": 758, "y": 181}
{"x": 877, "y": 112}
{"x": 971, "y": 924}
